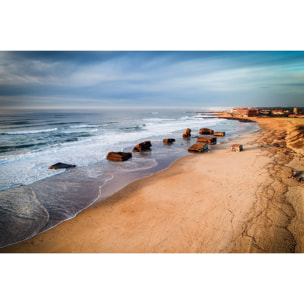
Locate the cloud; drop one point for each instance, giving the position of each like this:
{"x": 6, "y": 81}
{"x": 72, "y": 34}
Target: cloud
{"x": 158, "y": 78}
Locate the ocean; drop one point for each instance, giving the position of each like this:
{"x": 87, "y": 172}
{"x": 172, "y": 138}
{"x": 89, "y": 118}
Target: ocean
{"x": 34, "y": 198}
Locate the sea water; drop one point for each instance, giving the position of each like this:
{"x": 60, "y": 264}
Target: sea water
{"x": 34, "y": 198}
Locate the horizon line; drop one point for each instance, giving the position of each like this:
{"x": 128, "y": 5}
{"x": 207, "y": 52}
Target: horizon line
{"x": 106, "y": 107}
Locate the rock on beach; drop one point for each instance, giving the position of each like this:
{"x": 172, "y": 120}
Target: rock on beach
{"x": 198, "y": 148}
{"x": 210, "y": 140}
{"x": 219, "y": 133}
{"x": 119, "y": 156}
{"x": 143, "y": 146}
{"x": 168, "y": 140}
{"x": 61, "y": 166}
{"x": 187, "y": 133}
{"x": 205, "y": 131}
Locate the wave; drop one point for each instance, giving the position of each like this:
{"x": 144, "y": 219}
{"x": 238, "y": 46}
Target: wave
{"x": 187, "y": 118}
{"x": 109, "y": 123}
{"x": 4, "y": 149}
{"x": 138, "y": 127}
{"x": 84, "y": 126}
{"x": 75, "y": 131}
{"x": 35, "y": 146}
{"x": 15, "y": 123}
{"x": 158, "y": 119}
{"x": 30, "y": 132}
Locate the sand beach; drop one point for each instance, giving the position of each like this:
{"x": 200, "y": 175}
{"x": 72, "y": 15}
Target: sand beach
{"x": 214, "y": 202}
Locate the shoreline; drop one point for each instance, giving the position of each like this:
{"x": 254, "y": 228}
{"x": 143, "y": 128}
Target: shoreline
{"x": 77, "y": 189}
{"x": 222, "y": 208}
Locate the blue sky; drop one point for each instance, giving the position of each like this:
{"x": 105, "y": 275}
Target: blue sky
{"x": 151, "y": 79}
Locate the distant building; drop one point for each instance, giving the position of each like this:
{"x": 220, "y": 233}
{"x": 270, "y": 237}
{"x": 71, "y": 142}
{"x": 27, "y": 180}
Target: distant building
{"x": 265, "y": 112}
{"x": 296, "y": 115}
{"x": 277, "y": 112}
{"x": 295, "y": 110}
{"x": 245, "y": 112}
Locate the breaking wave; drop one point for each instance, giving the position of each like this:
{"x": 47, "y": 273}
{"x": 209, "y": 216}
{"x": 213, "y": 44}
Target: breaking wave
{"x": 30, "y": 132}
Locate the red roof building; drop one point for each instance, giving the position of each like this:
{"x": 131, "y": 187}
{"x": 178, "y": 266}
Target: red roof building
{"x": 277, "y": 112}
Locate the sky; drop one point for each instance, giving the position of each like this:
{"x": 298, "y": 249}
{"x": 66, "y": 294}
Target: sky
{"x": 76, "y": 79}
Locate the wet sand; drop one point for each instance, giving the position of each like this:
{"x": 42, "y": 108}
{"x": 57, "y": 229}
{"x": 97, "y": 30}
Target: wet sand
{"x": 220, "y": 201}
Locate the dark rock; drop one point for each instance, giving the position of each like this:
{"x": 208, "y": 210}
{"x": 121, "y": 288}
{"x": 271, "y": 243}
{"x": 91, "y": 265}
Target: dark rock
{"x": 144, "y": 146}
{"x": 198, "y": 148}
{"x": 119, "y": 156}
{"x": 209, "y": 140}
{"x": 62, "y": 166}
{"x": 219, "y": 133}
{"x": 168, "y": 140}
{"x": 187, "y": 133}
{"x": 205, "y": 131}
